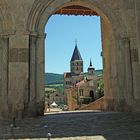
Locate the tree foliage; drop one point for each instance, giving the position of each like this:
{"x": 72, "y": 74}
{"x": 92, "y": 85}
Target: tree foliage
{"x": 86, "y": 100}
{"x": 100, "y": 88}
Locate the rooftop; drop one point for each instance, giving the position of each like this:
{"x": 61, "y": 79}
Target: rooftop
{"x": 76, "y": 54}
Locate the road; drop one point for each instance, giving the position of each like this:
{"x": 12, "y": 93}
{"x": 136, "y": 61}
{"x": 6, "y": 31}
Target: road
{"x": 76, "y": 125}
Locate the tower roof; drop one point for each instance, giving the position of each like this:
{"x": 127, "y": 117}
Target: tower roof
{"x": 76, "y": 54}
{"x": 90, "y": 63}
{"x": 90, "y": 66}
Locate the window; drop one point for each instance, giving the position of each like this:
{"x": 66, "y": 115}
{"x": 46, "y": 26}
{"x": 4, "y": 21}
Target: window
{"x": 81, "y": 92}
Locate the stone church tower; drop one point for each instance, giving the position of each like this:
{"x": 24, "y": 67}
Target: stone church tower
{"x": 76, "y": 62}
{"x": 90, "y": 71}
{"x": 76, "y": 69}
{"x": 77, "y": 84}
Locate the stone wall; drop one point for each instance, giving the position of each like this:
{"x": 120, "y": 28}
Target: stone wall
{"x": 71, "y": 99}
{"x": 96, "y": 105}
{"x": 22, "y": 24}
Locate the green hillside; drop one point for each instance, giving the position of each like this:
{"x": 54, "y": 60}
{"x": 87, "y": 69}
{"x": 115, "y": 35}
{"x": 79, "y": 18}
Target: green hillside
{"x": 53, "y": 78}
{"x": 96, "y": 72}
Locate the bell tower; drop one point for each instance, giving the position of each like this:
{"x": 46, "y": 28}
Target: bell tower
{"x": 90, "y": 71}
{"x": 76, "y": 63}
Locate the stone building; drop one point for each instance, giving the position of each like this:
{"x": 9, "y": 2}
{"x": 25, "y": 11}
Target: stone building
{"x": 76, "y": 65}
{"x": 22, "y": 26}
{"x": 82, "y": 88}
{"x": 56, "y": 96}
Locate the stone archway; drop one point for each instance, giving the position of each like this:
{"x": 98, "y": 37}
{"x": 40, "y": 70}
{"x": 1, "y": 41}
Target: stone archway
{"x": 22, "y": 46}
{"x": 113, "y": 35}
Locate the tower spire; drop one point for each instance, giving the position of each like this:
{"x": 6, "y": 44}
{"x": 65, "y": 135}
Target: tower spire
{"x": 76, "y": 54}
{"x": 76, "y": 62}
{"x": 76, "y": 42}
{"x": 90, "y": 63}
{"x": 90, "y": 70}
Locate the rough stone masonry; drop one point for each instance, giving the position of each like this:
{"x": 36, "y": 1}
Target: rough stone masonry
{"x": 22, "y": 24}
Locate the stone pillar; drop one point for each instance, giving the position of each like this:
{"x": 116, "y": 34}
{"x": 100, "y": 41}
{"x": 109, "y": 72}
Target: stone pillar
{"x": 135, "y": 71}
{"x": 136, "y": 54}
{"x": 30, "y": 105}
{"x": 121, "y": 77}
{"x": 18, "y": 73}
{"x": 40, "y": 74}
{"x": 137, "y": 11}
{"x": 124, "y": 75}
{"x": 4, "y": 50}
{"x": 106, "y": 51}
{"x": 36, "y": 98}
{"x": 118, "y": 70}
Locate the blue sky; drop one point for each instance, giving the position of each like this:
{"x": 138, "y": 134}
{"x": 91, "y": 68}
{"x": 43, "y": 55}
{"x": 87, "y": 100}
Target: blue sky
{"x": 60, "y": 42}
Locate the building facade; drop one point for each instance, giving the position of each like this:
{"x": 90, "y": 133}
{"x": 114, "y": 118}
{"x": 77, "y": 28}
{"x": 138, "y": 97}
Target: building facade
{"x": 80, "y": 88}
{"x": 57, "y": 97}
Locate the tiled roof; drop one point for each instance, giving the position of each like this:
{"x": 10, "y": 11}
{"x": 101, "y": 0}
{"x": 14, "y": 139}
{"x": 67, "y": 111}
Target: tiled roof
{"x": 81, "y": 83}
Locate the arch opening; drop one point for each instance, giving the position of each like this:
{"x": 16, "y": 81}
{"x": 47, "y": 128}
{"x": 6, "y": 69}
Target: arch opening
{"x": 36, "y": 24}
{"x": 61, "y": 41}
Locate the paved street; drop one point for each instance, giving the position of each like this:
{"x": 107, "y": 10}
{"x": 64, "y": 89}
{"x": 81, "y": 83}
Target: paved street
{"x": 76, "y": 126}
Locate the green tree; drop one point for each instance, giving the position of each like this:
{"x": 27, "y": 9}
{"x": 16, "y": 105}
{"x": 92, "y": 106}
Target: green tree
{"x": 86, "y": 100}
{"x": 100, "y": 88}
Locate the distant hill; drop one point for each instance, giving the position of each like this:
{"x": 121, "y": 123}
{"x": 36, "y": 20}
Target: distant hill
{"x": 54, "y": 78}
{"x": 96, "y": 72}
{"x": 99, "y": 72}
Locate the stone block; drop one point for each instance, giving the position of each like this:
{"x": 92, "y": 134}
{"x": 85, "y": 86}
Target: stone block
{"x": 134, "y": 55}
{"x": 13, "y": 55}
{"x": 18, "y": 55}
{"x": 23, "y": 54}
{"x": 17, "y": 86}
{"x": 0, "y": 87}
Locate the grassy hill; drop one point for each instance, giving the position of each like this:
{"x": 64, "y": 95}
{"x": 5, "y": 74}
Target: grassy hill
{"x": 53, "y": 78}
{"x": 54, "y": 82}
{"x": 96, "y": 72}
